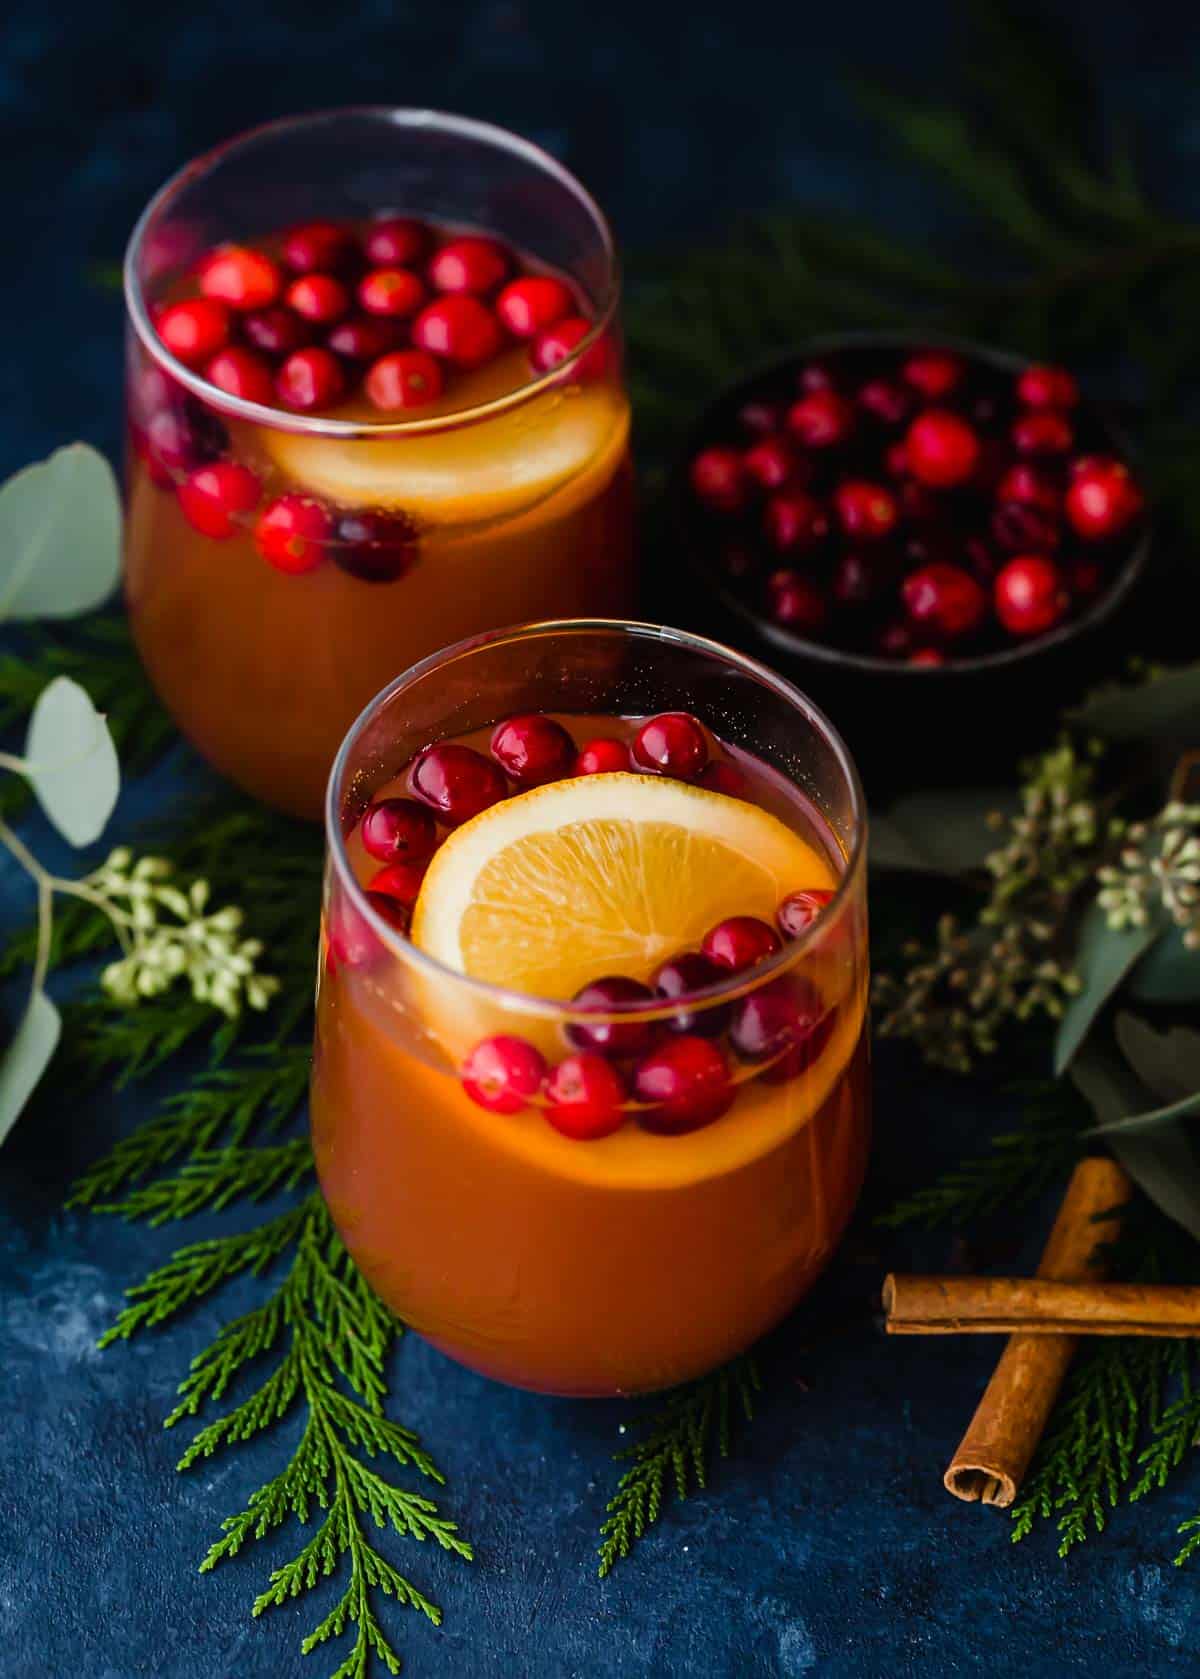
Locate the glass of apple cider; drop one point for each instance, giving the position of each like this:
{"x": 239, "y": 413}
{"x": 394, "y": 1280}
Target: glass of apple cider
{"x": 375, "y": 404}
{"x": 590, "y": 1100}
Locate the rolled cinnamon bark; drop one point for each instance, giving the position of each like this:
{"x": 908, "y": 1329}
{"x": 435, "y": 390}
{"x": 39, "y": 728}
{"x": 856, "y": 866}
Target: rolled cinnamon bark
{"x": 995, "y": 1452}
{"x": 1027, "y": 1306}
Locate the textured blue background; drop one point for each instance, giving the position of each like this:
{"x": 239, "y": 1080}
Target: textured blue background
{"x": 828, "y": 1546}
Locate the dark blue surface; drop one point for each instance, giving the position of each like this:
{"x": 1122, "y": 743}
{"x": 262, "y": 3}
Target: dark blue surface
{"x": 827, "y": 1546}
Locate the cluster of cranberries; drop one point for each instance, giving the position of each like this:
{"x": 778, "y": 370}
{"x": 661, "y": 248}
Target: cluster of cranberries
{"x": 674, "y": 1070}
{"x": 306, "y": 320}
{"x": 915, "y": 505}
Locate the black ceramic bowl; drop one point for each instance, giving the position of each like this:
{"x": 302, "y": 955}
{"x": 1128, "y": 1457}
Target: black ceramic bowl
{"x": 910, "y": 725}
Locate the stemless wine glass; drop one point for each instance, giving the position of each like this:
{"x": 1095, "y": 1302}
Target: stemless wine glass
{"x": 516, "y": 504}
{"x": 640, "y": 1258}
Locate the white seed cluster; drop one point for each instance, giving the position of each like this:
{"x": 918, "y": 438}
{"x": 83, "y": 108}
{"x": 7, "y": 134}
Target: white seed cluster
{"x": 167, "y": 934}
{"x": 1159, "y": 864}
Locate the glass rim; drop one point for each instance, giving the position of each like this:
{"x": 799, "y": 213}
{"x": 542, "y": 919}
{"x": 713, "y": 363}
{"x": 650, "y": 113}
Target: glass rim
{"x": 398, "y": 116}
{"x": 723, "y": 991}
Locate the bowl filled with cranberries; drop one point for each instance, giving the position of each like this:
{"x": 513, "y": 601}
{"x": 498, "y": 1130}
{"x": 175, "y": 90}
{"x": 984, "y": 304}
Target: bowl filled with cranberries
{"x": 898, "y": 521}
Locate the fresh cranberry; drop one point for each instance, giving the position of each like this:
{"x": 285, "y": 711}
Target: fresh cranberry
{"x": 862, "y": 579}
{"x": 349, "y": 941}
{"x": 503, "y": 1074}
{"x": 374, "y": 547}
{"x": 393, "y": 292}
{"x": 186, "y": 435}
{"x": 277, "y": 331}
{"x": 242, "y": 278}
{"x": 867, "y": 511}
{"x": 400, "y": 880}
{"x": 1029, "y": 595}
{"x": 362, "y": 338}
{"x": 533, "y": 749}
{"x": 944, "y": 600}
{"x": 770, "y": 463}
{"x": 681, "y": 978}
{"x": 798, "y": 911}
{"x": 241, "y": 373}
{"x": 194, "y": 331}
{"x": 672, "y": 743}
{"x": 720, "y": 777}
{"x": 319, "y": 247}
{"x": 795, "y": 602}
{"x": 319, "y": 298}
{"x": 943, "y": 450}
{"x": 718, "y": 477}
{"x": 1047, "y": 387}
{"x": 292, "y": 532}
{"x": 739, "y": 942}
{"x": 935, "y": 373}
{"x": 585, "y": 1098}
{"x": 794, "y": 521}
{"x": 398, "y": 831}
{"x": 530, "y": 305}
{"x": 611, "y": 995}
{"x": 685, "y": 1084}
{"x": 759, "y": 419}
{"x": 394, "y": 911}
{"x": 816, "y": 376}
{"x": 456, "y": 781}
{"x": 886, "y": 401}
{"x": 1018, "y": 527}
{"x": 310, "y": 379}
{"x": 602, "y": 756}
{"x": 558, "y": 343}
{"x": 461, "y": 329}
{"x": 821, "y": 420}
{"x": 927, "y": 656}
{"x": 1031, "y": 486}
{"x": 395, "y": 241}
{"x": 405, "y": 379}
{"x": 1103, "y": 498}
{"x": 213, "y": 495}
{"x": 1041, "y": 432}
{"x": 469, "y": 265}
{"x": 785, "y": 1023}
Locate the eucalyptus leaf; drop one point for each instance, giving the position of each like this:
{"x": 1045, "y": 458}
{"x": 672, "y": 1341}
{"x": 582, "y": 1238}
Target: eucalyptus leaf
{"x": 1168, "y": 973}
{"x": 1162, "y": 1161}
{"x": 942, "y": 832}
{"x": 1168, "y": 1063}
{"x": 1167, "y": 707}
{"x": 1103, "y": 958}
{"x": 27, "y": 1057}
{"x": 71, "y": 761}
{"x": 60, "y": 536}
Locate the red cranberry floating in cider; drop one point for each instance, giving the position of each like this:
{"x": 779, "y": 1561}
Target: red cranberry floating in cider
{"x": 292, "y": 532}
{"x": 241, "y": 373}
{"x": 242, "y": 278}
{"x": 719, "y": 479}
{"x": 456, "y": 781}
{"x": 393, "y": 910}
{"x": 468, "y": 265}
{"x": 798, "y": 911}
{"x": 277, "y": 331}
{"x": 739, "y": 942}
{"x": 363, "y": 338}
{"x": 460, "y": 328}
{"x": 194, "y": 331}
{"x": 310, "y": 379}
{"x": 585, "y": 1098}
{"x": 720, "y": 777}
{"x": 398, "y": 830}
{"x": 503, "y": 1074}
{"x": 530, "y": 305}
{"x": 681, "y": 978}
{"x": 393, "y": 292}
{"x": 374, "y": 547}
{"x": 213, "y": 496}
{"x": 558, "y": 343}
{"x": 533, "y": 749}
{"x": 613, "y": 1037}
{"x": 318, "y": 246}
{"x": 685, "y": 1084}
{"x": 319, "y": 298}
{"x": 1102, "y": 499}
{"x": 785, "y": 1023}
{"x": 601, "y": 756}
{"x": 405, "y": 379}
{"x": 1030, "y": 597}
{"x": 944, "y": 601}
{"x": 396, "y": 241}
{"x": 673, "y": 743}
{"x": 401, "y": 882}
{"x": 942, "y": 449}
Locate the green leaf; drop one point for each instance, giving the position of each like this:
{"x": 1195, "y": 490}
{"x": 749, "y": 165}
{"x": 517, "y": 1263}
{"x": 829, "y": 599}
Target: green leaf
{"x": 60, "y": 536}
{"x": 71, "y": 761}
{"x": 1104, "y": 958}
{"x": 1168, "y": 973}
{"x": 1168, "y": 1063}
{"x": 1166, "y": 707}
{"x": 27, "y": 1057}
{"x": 943, "y": 832}
{"x": 1160, "y": 1161}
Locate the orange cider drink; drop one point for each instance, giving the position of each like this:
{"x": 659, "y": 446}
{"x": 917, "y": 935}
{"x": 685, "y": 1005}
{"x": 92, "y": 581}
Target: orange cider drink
{"x": 590, "y": 1102}
{"x": 375, "y": 405}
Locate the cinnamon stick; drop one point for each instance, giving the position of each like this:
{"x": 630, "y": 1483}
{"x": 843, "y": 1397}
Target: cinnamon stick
{"x": 1028, "y": 1306}
{"x": 996, "y": 1450}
